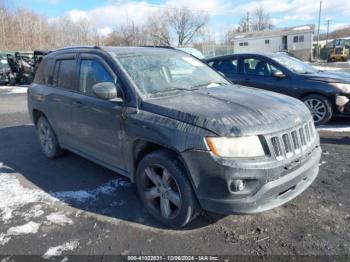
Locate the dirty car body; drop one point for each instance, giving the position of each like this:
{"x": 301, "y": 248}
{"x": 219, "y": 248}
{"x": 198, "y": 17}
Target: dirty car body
{"x": 192, "y": 124}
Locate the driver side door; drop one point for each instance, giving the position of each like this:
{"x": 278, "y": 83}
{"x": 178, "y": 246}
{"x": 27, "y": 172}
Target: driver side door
{"x": 259, "y": 73}
{"x": 97, "y": 123}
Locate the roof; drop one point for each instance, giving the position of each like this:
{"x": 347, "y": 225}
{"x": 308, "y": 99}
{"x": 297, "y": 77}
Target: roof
{"x": 275, "y": 32}
{"x": 119, "y": 50}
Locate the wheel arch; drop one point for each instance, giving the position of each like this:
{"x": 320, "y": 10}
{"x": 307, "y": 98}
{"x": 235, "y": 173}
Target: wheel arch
{"x": 142, "y": 147}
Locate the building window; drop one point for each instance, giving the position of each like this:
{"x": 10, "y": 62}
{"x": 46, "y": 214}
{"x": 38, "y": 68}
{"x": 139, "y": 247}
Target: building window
{"x": 298, "y": 39}
{"x": 267, "y": 42}
{"x": 243, "y": 44}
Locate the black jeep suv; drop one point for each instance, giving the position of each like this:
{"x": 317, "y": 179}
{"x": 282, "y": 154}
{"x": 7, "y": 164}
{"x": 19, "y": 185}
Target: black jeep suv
{"x": 184, "y": 134}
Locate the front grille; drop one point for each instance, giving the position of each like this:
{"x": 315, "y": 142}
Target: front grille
{"x": 292, "y": 142}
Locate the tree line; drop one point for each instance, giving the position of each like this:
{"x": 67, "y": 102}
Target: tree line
{"x": 22, "y": 29}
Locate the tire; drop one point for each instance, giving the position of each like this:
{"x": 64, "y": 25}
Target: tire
{"x": 11, "y": 80}
{"x": 174, "y": 191}
{"x": 320, "y": 107}
{"x": 48, "y": 139}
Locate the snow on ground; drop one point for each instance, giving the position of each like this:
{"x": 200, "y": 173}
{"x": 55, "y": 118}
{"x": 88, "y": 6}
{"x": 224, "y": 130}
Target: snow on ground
{"x": 34, "y": 206}
{"x": 58, "y": 250}
{"x": 59, "y": 218}
{"x": 9, "y": 90}
{"x": 84, "y": 195}
{"x": 29, "y": 228}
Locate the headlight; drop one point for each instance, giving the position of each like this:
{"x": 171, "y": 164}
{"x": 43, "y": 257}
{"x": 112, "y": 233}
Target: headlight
{"x": 345, "y": 88}
{"x": 245, "y": 146}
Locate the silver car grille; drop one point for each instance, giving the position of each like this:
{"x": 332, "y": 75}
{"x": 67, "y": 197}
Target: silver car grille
{"x": 292, "y": 142}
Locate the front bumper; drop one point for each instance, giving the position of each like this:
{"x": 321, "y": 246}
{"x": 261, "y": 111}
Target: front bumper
{"x": 276, "y": 184}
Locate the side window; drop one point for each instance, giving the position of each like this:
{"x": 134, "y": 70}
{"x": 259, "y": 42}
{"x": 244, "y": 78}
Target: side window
{"x": 229, "y": 66}
{"x": 92, "y": 72}
{"x": 64, "y": 74}
{"x": 258, "y": 67}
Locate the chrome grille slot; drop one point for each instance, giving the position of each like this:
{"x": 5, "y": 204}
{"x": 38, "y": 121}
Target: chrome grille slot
{"x": 277, "y": 147}
{"x": 293, "y": 142}
{"x": 312, "y": 133}
{"x": 307, "y": 132}
{"x": 295, "y": 139}
{"x": 287, "y": 144}
{"x": 302, "y": 137}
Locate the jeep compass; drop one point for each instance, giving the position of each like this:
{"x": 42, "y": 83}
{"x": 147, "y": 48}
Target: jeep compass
{"x": 188, "y": 138}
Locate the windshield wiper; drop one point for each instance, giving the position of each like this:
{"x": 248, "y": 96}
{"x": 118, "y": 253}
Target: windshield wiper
{"x": 196, "y": 87}
{"x": 171, "y": 90}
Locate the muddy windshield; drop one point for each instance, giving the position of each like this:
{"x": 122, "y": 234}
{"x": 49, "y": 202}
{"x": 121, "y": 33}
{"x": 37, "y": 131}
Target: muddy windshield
{"x": 169, "y": 72}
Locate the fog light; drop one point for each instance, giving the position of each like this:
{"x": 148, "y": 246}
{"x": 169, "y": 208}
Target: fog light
{"x": 237, "y": 185}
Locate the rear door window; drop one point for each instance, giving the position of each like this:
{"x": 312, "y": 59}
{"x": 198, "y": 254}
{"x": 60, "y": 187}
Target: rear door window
{"x": 64, "y": 74}
{"x": 228, "y": 66}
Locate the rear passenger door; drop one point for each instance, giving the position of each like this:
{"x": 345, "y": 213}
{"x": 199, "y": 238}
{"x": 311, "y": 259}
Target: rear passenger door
{"x": 97, "y": 122}
{"x": 63, "y": 82}
{"x": 229, "y": 67}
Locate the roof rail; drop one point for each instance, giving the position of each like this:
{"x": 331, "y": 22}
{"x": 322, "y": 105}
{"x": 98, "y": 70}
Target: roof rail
{"x": 77, "y": 46}
{"x": 158, "y": 46}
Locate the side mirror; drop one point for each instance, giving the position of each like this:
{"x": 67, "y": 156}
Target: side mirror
{"x": 105, "y": 90}
{"x": 222, "y": 74}
{"x": 278, "y": 74}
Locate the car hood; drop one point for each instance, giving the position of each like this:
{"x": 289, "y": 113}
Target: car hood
{"x": 330, "y": 77}
{"x": 232, "y": 110}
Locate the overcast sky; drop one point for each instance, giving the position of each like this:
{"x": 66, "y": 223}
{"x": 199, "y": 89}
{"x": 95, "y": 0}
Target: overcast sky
{"x": 106, "y": 14}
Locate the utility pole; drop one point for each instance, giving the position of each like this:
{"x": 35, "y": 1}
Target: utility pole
{"x": 318, "y": 32}
{"x": 328, "y": 22}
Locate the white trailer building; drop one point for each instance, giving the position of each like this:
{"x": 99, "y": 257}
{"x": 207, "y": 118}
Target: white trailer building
{"x": 296, "y": 40}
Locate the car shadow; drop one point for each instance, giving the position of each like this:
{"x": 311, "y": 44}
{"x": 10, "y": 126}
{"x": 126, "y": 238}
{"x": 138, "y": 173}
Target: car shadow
{"x": 76, "y": 181}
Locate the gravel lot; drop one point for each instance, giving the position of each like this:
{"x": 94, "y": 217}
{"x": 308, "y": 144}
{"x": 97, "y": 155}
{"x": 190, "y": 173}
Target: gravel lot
{"x": 73, "y": 206}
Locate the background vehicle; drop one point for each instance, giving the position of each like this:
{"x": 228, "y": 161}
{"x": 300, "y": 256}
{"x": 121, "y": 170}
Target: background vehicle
{"x": 5, "y": 70}
{"x": 325, "y": 93}
{"x": 338, "y": 53}
{"x": 178, "y": 129}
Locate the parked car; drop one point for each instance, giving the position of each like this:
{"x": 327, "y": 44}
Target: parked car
{"x": 190, "y": 140}
{"x": 4, "y": 70}
{"x": 326, "y": 94}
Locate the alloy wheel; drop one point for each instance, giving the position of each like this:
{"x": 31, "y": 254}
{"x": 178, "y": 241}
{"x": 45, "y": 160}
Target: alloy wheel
{"x": 318, "y": 109}
{"x": 161, "y": 191}
{"x": 46, "y": 138}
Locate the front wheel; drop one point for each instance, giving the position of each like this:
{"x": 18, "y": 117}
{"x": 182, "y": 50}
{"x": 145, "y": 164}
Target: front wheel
{"x": 320, "y": 108}
{"x": 165, "y": 190}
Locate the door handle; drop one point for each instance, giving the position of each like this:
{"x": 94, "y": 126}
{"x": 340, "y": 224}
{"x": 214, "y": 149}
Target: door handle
{"x": 246, "y": 80}
{"x": 77, "y": 103}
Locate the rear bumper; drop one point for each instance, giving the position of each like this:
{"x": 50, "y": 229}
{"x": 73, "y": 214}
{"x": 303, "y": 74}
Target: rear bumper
{"x": 276, "y": 186}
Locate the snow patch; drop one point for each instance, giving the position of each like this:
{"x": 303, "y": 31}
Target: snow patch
{"x": 340, "y": 129}
{"x": 58, "y": 250}
{"x": 81, "y": 196}
{"x": 4, "y": 239}
{"x": 14, "y": 196}
{"x": 301, "y": 28}
{"x": 29, "y": 228}
{"x": 14, "y": 89}
{"x": 59, "y": 218}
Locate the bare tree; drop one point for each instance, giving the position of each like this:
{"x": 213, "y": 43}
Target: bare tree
{"x": 186, "y": 24}
{"x": 158, "y": 29}
{"x": 261, "y": 20}
{"x": 244, "y": 23}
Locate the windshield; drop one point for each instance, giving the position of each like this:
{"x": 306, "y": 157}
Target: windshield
{"x": 294, "y": 64}
{"x": 157, "y": 73}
